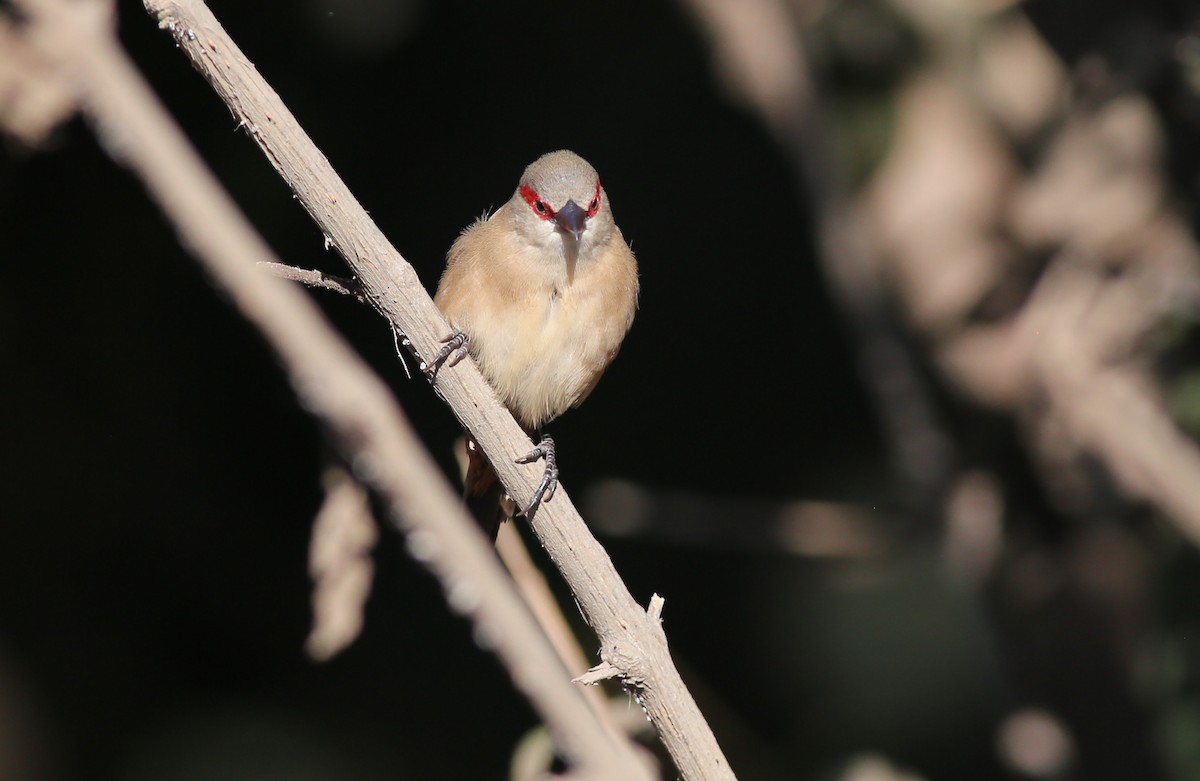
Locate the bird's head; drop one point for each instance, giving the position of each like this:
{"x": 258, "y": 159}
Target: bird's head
{"x": 560, "y": 199}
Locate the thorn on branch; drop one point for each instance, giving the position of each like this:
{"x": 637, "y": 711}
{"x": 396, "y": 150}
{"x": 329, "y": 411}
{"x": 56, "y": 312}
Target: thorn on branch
{"x": 655, "y": 608}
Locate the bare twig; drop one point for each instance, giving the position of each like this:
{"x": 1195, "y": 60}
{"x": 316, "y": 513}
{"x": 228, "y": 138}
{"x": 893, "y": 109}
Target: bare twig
{"x": 628, "y": 641}
{"x": 532, "y": 586}
{"x": 315, "y": 278}
{"x": 601, "y": 672}
{"x": 536, "y": 592}
{"x": 332, "y": 381}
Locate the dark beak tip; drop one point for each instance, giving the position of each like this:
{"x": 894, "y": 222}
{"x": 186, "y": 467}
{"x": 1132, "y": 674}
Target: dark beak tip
{"x": 572, "y": 219}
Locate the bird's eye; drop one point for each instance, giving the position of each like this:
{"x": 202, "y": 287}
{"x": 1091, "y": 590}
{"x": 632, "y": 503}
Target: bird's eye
{"x": 539, "y": 206}
{"x": 594, "y": 204}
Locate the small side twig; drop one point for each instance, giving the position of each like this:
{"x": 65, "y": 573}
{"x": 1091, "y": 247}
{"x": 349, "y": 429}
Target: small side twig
{"x": 315, "y": 278}
{"x": 601, "y": 672}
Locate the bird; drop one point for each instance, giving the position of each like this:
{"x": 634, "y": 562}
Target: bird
{"x": 541, "y": 295}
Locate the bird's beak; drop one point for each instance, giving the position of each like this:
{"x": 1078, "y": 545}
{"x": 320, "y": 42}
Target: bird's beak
{"x": 571, "y": 218}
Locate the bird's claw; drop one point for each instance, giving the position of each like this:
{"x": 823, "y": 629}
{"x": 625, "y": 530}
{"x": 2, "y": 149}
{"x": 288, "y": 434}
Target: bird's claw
{"x": 453, "y": 344}
{"x": 545, "y": 490}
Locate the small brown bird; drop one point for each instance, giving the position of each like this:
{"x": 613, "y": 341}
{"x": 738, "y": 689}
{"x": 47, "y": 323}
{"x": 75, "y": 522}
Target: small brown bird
{"x": 540, "y": 294}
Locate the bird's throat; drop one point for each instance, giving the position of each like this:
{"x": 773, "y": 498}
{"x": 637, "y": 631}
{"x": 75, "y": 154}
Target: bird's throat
{"x": 570, "y": 256}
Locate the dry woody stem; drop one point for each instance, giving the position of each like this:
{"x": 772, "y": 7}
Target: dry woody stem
{"x": 629, "y": 641}
{"x": 331, "y": 380}
{"x": 361, "y": 414}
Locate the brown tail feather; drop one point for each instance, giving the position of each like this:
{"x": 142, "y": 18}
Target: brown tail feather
{"x": 484, "y": 494}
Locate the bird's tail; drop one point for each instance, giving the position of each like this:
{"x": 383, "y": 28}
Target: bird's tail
{"x": 484, "y": 494}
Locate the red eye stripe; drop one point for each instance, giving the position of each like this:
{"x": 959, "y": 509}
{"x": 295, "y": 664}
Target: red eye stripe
{"x": 540, "y": 207}
{"x": 594, "y": 206}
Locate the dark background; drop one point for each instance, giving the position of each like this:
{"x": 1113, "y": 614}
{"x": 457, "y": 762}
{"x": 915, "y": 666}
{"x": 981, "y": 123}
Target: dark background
{"x": 159, "y": 479}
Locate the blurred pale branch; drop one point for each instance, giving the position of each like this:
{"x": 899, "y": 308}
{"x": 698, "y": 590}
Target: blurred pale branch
{"x": 1011, "y": 265}
{"x": 951, "y": 227}
{"x": 760, "y": 57}
{"x": 339, "y": 562}
{"x": 1063, "y": 347}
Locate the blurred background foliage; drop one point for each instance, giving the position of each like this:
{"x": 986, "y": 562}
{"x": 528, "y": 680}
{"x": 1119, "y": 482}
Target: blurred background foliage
{"x": 903, "y": 431}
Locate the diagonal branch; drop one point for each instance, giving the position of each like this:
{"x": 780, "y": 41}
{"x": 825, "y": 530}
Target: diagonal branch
{"x": 362, "y": 416}
{"x": 628, "y": 640}
{"x": 333, "y": 382}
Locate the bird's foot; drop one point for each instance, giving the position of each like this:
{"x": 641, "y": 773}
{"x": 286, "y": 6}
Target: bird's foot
{"x": 454, "y": 344}
{"x": 545, "y": 490}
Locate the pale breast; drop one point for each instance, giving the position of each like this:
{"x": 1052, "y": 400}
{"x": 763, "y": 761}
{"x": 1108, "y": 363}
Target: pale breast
{"x": 544, "y": 356}
{"x": 541, "y": 336}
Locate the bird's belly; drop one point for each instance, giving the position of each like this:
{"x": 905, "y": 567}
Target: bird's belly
{"x": 544, "y": 359}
